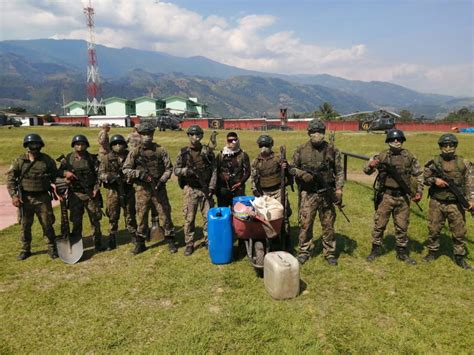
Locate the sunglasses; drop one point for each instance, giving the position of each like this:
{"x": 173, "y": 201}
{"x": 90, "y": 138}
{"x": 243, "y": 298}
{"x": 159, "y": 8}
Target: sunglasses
{"x": 195, "y": 135}
{"x": 395, "y": 140}
{"x": 232, "y": 140}
{"x": 452, "y": 145}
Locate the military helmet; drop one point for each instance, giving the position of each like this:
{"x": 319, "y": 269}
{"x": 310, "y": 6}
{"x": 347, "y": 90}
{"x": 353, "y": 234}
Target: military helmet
{"x": 116, "y": 139}
{"x": 448, "y": 138}
{"x": 265, "y": 140}
{"x": 395, "y": 133}
{"x": 194, "y": 129}
{"x": 32, "y": 138}
{"x": 79, "y": 138}
{"x": 146, "y": 127}
{"x": 316, "y": 125}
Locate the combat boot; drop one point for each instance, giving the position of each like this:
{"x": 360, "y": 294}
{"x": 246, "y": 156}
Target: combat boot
{"x": 402, "y": 254}
{"x": 25, "y": 254}
{"x": 331, "y": 260}
{"x": 461, "y": 262}
{"x": 52, "y": 251}
{"x": 171, "y": 246}
{"x": 189, "y": 250}
{"x": 302, "y": 258}
{"x": 376, "y": 252}
{"x": 431, "y": 256}
{"x": 112, "y": 242}
{"x": 140, "y": 246}
{"x": 98, "y": 244}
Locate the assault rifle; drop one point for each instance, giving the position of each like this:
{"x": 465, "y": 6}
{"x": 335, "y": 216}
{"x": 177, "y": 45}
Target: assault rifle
{"x": 392, "y": 171}
{"x": 118, "y": 179}
{"x": 452, "y": 187}
{"x": 324, "y": 188}
{"x": 284, "y": 234}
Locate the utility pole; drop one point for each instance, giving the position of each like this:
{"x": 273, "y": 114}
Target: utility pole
{"x": 94, "y": 101}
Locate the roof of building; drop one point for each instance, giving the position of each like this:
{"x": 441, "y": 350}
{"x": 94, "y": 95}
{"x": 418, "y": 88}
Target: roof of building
{"x": 72, "y": 103}
{"x": 115, "y": 98}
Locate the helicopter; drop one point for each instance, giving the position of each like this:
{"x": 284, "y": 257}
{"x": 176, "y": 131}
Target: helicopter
{"x": 370, "y": 121}
{"x": 6, "y": 120}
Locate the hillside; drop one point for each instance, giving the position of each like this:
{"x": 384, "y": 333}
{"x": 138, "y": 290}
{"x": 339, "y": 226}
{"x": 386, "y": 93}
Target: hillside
{"x": 37, "y": 73}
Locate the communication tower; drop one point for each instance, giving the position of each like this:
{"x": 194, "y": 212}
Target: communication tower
{"x": 94, "y": 101}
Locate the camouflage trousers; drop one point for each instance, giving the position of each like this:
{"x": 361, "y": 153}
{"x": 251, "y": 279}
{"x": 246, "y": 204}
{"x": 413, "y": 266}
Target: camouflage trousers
{"x": 225, "y": 196}
{"x": 193, "y": 199}
{"x": 38, "y": 203}
{"x": 276, "y": 194}
{"x": 114, "y": 207}
{"x": 146, "y": 198}
{"x": 310, "y": 204}
{"x": 399, "y": 209}
{"x": 440, "y": 212}
{"x": 77, "y": 203}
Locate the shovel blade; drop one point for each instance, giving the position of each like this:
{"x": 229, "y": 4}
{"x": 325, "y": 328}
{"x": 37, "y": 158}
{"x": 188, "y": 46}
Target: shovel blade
{"x": 70, "y": 250}
{"x": 156, "y": 233}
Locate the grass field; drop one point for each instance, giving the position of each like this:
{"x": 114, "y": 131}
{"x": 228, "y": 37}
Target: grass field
{"x": 115, "y": 302}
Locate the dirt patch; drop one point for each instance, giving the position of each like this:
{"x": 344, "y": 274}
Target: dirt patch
{"x": 361, "y": 177}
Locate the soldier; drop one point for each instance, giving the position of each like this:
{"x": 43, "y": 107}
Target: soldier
{"x": 233, "y": 170}
{"x": 149, "y": 167}
{"x": 391, "y": 199}
{"x": 319, "y": 175}
{"x": 80, "y": 170}
{"x": 443, "y": 203}
{"x": 120, "y": 194}
{"x": 103, "y": 140}
{"x": 196, "y": 171}
{"x": 134, "y": 139}
{"x": 29, "y": 182}
{"x": 266, "y": 174}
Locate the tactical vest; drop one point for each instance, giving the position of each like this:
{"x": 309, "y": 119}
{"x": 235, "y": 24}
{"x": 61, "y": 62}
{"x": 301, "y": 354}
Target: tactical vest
{"x": 232, "y": 166}
{"x": 402, "y": 162}
{"x": 455, "y": 169}
{"x": 150, "y": 159}
{"x": 268, "y": 171}
{"x": 200, "y": 163}
{"x": 84, "y": 169}
{"x": 313, "y": 159}
{"x": 38, "y": 177}
{"x": 114, "y": 165}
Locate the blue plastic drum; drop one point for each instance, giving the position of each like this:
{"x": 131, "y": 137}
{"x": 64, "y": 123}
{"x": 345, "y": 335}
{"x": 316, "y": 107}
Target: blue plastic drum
{"x": 219, "y": 230}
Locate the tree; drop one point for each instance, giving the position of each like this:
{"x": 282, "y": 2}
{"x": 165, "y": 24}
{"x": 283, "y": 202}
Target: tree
{"x": 326, "y": 112}
{"x": 405, "y": 116}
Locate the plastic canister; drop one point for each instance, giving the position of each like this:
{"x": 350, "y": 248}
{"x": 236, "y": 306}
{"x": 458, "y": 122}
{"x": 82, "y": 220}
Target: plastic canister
{"x": 243, "y": 199}
{"x": 281, "y": 275}
{"x": 220, "y": 235}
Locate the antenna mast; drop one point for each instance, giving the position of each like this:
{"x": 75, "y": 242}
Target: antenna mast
{"x": 94, "y": 101}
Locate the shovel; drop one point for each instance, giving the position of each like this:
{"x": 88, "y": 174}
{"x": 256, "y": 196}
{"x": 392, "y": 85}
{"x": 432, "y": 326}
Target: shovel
{"x": 157, "y": 233}
{"x": 70, "y": 249}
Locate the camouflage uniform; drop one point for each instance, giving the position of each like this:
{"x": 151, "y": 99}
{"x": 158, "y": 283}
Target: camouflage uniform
{"x": 134, "y": 139}
{"x": 110, "y": 173}
{"x": 194, "y": 167}
{"x": 35, "y": 186}
{"x": 103, "y": 140}
{"x": 81, "y": 193}
{"x": 150, "y": 161}
{"x": 393, "y": 201}
{"x": 266, "y": 179}
{"x": 311, "y": 202}
{"x": 443, "y": 203}
{"x": 231, "y": 169}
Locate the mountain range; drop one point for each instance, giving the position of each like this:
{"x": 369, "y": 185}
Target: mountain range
{"x": 41, "y": 75}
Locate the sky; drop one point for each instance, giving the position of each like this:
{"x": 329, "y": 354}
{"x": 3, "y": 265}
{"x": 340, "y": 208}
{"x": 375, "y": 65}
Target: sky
{"x": 425, "y": 45}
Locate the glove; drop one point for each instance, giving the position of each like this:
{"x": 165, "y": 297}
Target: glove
{"x": 307, "y": 177}
{"x": 417, "y": 197}
{"x": 338, "y": 200}
{"x": 16, "y": 201}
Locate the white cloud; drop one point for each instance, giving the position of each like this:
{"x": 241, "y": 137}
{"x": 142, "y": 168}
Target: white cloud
{"x": 248, "y": 42}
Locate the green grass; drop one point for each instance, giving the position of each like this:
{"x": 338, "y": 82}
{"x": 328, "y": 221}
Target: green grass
{"x": 166, "y": 303}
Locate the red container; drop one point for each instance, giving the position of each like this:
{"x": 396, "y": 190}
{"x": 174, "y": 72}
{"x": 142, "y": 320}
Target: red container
{"x": 253, "y": 228}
